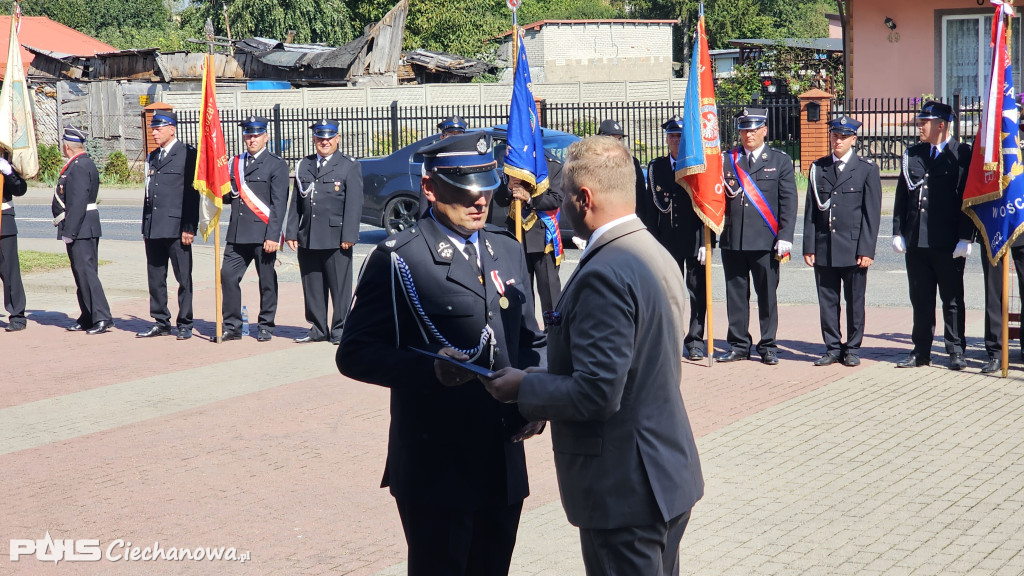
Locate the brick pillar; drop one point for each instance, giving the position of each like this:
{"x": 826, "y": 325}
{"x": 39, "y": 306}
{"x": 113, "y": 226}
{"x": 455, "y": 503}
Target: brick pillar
{"x": 147, "y": 115}
{"x": 814, "y": 134}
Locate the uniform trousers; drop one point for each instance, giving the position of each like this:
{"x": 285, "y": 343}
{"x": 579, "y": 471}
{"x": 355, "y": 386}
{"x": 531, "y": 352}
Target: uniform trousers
{"x": 446, "y": 541}
{"x": 928, "y": 269}
{"x": 158, "y": 252}
{"x": 326, "y": 273}
{"x": 10, "y": 274}
{"x": 237, "y": 258}
{"x": 741, "y": 268}
{"x": 544, "y": 275}
{"x": 696, "y": 288}
{"x": 92, "y": 302}
{"x": 994, "y": 301}
{"x": 852, "y": 281}
{"x": 651, "y": 550}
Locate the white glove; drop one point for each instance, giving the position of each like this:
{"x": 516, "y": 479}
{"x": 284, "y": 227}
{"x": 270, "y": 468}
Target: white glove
{"x": 783, "y": 247}
{"x": 579, "y": 242}
{"x": 701, "y": 255}
{"x": 898, "y": 244}
{"x": 962, "y": 250}
{"x": 5, "y": 167}
{"x": 67, "y": 240}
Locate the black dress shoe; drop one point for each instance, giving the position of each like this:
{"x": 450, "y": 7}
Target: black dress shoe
{"x": 914, "y": 360}
{"x": 101, "y": 327}
{"x": 336, "y": 340}
{"x": 76, "y": 327}
{"x": 732, "y": 356}
{"x": 957, "y": 362}
{"x": 826, "y": 360}
{"x": 695, "y": 354}
{"x": 156, "y": 330}
{"x": 264, "y": 335}
{"x": 15, "y": 327}
{"x": 851, "y": 359}
{"x": 308, "y": 338}
{"x": 991, "y": 366}
{"x": 184, "y": 333}
{"x": 231, "y": 336}
{"x": 770, "y": 358}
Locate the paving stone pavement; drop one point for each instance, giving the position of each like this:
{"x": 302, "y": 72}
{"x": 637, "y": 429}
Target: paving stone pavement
{"x": 264, "y": 447}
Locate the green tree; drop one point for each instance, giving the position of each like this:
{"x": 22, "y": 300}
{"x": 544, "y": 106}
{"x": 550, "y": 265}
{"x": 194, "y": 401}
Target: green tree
{"x": 314, "y": 21}
{"x": 121, "y": 23}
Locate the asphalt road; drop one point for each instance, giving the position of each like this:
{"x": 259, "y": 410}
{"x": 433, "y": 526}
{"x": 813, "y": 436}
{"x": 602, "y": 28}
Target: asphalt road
{"x": 887, "y": 280}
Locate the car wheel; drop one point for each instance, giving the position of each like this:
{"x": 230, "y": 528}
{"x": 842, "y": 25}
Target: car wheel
{"x": 400, "y": 213}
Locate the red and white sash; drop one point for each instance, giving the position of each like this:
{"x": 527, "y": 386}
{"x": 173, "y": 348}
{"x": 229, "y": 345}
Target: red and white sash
{"x": 248, "y": 196}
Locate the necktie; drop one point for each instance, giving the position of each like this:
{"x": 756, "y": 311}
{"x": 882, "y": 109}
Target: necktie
{"x": 839, "y": 166}
{"x": 471, "y": 255}
{"x": 320, "y": 163}
{"x": 162, "y": 155}
{"x": 248, "y": 160}
{"x": 935, "y": 153}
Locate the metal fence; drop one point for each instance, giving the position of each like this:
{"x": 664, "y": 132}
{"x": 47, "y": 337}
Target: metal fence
{"x": 890, "y": 125}
{"x": 368, "y": 132}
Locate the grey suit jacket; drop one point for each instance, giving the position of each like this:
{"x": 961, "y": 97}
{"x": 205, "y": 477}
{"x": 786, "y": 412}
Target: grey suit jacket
{"x": 624, "y": 450}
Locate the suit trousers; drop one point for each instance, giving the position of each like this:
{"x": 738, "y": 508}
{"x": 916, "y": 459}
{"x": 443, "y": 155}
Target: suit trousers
{"x": 237, "y": 258}
{"x": 459, "y": 541}
{"x": 852, "y": 281}
{"x": 544, "y": 275}
{"x": 741, "y": 267}
{"x": 92, "y": 302}
{"x": 651, "y": 550}
{"x": 326, "y": 273}
{"x": 928, "y": 269}
{"x": 696, "y": 288}
{"x": 994, "y": 300}
{"x": 10, "y": 274}
{"x": 158, "y": 252}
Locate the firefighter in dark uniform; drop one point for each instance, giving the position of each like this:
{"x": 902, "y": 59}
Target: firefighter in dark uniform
{"x": 541, "y": 243}
{"x": 667, "y": 211}
{"x": 841, "y": 216}
{"x": 78, "y": 224}
{"x": 993, "y": 276}
{"x": 259, "y": 198}
{"x": 323, "y": 225}
{"x": 614, "y": 129}
{"x": 448, "y": 285}
{"x": 929, "y": 227}
{"x": 760, "y": 219}
{"x": 170, "y": 216}
{"x": 10, "y": 266}
{"x": 450, "y": 126}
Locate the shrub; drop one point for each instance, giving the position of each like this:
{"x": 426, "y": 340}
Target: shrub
{"x": 117, "y": 171}
{"x": 50, "y": 162}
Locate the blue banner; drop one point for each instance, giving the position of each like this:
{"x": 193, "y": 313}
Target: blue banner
{"x": 1001, "y": 220}
{"x": 524, "y": 156}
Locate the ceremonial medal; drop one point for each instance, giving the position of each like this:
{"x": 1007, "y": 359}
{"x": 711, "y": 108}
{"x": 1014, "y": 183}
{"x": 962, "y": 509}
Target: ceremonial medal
{"x": 503, "y": 302}
{"x": 337, "y": 186}
{"x": 500, "y": 286}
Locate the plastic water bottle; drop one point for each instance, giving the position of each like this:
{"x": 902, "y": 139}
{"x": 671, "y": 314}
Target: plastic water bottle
{"x": 245, "y": 321}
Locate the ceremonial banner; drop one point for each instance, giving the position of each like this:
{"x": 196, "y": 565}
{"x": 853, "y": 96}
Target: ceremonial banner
{"x": 17, "y": 129}
{"x": 994, "y": 193}
{"x": 699, "y": 168}
{"x": 524, "y": 156}
{"x": 211, "y": 178}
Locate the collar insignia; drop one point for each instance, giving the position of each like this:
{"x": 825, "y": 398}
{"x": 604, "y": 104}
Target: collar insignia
{"x": 445, "y": 250}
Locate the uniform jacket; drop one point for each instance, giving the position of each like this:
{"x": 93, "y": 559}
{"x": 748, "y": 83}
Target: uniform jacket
{"x": 172, "y": 202}
{"x": 77, "y": 187}
{"x": 745, "y": 229}
{"x": 680, "y": 230}
{"x": 619, "y": 429}
{"x": 327, "y": 206}
{"x": 447, "y": 445}
{"x": 14, "y": 185}
{"x": 551, "y": 199}
{"x": 931, "y": 216}
{"x": 267, "y": 177}
{"x": 849, "y": 227}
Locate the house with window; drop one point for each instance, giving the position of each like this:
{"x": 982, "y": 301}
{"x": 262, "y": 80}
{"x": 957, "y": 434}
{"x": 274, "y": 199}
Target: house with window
{"x": 912, "y": 48}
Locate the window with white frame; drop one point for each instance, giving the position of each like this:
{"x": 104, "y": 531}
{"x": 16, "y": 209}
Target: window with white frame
{"x": 967, "y": 56}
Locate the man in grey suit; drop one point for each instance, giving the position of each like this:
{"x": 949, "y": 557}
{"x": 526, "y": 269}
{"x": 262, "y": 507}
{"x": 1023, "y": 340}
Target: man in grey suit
{"x": 627, "y": 465}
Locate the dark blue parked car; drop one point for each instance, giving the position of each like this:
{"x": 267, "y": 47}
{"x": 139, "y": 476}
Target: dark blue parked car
{"x": 391, "y": 185}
